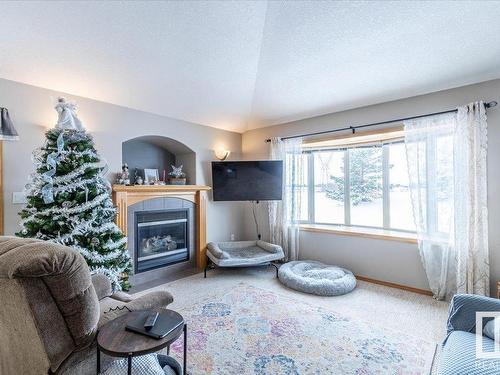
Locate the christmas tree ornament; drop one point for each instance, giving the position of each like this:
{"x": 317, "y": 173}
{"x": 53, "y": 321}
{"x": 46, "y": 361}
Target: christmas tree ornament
{"x": 177, "y": 172}
{"x": 69, "y": 200}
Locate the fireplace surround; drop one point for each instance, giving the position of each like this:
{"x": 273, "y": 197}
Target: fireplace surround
{"x": 165, "y": 226}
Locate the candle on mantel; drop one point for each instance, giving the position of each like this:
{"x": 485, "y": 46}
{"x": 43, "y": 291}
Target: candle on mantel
{"x": 164, "y": 176}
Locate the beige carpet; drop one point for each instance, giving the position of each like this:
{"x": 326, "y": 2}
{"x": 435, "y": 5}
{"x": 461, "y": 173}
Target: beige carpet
{"x": 415, "y": 314}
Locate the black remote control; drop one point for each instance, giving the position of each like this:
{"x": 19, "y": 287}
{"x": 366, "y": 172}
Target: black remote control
{"x": 150, "y": 321}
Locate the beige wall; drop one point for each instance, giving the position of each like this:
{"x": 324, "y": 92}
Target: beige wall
{"x": 31, "y": 109}
{"x": 389, "y": 260}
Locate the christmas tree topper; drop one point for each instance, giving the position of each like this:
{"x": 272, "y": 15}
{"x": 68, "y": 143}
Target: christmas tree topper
{"x": 67, "y": 116}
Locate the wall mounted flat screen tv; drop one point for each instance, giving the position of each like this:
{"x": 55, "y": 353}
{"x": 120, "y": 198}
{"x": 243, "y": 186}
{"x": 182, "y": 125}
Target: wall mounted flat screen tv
{"x": 247, "y": 180}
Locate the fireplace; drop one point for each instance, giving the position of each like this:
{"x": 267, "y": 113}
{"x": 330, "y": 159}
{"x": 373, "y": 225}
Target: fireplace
{"x": 149, "y": 204}
{"x": 161, "y": 238}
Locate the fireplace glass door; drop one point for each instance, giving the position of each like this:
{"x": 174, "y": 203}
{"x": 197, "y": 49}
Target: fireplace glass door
{"x": 161, "y": 238}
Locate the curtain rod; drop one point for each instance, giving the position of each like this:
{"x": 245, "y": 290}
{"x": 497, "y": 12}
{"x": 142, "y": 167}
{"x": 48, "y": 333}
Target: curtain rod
{"x": 353, "y": 128}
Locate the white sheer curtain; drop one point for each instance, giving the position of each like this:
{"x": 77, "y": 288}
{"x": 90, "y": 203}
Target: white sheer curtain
{"x": 471, "y": 206}
{"x": 446, "y": 157}
{"x": 284, "y": 215}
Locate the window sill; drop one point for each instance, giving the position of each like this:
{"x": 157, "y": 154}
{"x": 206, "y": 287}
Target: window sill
{"x": 379, "y": 234}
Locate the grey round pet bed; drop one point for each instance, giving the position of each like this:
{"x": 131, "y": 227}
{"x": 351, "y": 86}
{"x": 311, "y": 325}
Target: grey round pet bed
{"x": 317, "y": 278}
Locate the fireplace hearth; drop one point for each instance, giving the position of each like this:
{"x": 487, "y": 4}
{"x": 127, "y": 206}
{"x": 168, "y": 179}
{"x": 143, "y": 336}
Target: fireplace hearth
{"x": 161, "y": 238}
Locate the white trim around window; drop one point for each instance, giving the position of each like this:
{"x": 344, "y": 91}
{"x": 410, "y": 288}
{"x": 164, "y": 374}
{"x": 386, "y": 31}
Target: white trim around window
{"x": 364, "y": 232}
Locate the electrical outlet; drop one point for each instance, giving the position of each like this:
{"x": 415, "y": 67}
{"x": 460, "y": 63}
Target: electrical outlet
{"x": 18, "y": 197}
{"x": 232, "y": 237}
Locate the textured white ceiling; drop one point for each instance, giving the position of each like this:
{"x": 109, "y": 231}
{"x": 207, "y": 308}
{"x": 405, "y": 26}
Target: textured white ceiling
{"x": 240, "y": 65}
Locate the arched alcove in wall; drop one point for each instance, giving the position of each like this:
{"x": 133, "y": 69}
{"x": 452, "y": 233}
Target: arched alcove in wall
{"x": 158, "y": 152}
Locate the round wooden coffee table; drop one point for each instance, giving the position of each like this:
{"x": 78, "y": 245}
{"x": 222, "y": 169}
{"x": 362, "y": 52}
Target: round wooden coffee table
{"x": 115, "y": 341}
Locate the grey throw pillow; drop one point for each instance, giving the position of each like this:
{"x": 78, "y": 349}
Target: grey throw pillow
{"x": 489, "y": 329}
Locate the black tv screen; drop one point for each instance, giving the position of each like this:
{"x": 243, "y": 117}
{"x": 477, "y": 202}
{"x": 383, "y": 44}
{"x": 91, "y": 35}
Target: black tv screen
{"x": 247, "y": 180}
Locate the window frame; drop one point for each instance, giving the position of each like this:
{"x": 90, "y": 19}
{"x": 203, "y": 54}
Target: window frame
{"x": 386, "y": 220}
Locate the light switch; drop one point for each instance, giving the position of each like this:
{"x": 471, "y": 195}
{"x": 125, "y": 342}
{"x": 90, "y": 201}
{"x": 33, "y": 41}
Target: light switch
{"x": 18, "y": 197}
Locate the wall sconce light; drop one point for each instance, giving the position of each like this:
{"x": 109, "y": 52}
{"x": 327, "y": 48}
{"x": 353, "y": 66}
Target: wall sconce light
{"x": 7, "y": 130}
{"x": 222, "y": 154}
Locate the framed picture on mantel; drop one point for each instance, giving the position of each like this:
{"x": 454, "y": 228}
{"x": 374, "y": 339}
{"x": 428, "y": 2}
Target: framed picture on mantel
{"x": 150, "y": 176}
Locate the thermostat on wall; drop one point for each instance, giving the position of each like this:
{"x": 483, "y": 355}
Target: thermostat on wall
{"x": 19, "y": 197}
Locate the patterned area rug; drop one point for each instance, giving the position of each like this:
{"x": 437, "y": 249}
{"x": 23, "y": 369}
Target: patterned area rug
{"x": 248, "y": 330}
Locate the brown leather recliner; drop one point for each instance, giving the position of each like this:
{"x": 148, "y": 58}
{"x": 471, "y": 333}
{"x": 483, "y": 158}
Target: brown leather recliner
{"x": 51, "y": 308}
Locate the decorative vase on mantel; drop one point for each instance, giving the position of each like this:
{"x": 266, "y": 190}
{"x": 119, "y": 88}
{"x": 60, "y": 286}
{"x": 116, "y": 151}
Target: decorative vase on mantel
{"x": 177, "y": 176}
{"x": 177, "y": 180}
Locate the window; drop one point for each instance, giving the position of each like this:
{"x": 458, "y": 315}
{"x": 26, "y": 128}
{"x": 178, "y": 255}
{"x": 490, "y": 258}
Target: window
{"x": 400, "y": 207}
{"x": 296, "y": 182}
{"x": 329, "y": 187}
{"x": 366, "y": 186}
{"x": 357, "y": 184}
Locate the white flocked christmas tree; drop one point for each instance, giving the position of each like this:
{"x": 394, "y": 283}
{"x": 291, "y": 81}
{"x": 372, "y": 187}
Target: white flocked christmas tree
{"x": 69, "y": 200}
